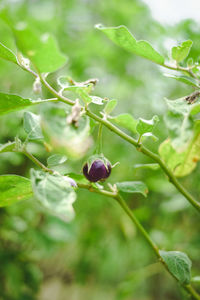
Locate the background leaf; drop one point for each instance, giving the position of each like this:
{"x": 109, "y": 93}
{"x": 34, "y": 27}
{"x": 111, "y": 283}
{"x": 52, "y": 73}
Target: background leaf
{"x": 8, "y": 147}
{"x": 7, "y": 54}
{"x": 179, "y": 265}
{"x": 123, "y": 38}
{"x": 146, "y": 126}
{"x": 42, "y": 51}
{"x": 56, "y": 159}
{"x": 184, "y": 79}
{"x": 110, "y": 106}
{"x": 13, "y": 189}
{"x": 126, "y": 121}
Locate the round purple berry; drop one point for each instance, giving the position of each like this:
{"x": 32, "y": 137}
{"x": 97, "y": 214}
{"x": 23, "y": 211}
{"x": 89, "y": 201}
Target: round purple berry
{"x": 98, "y": 170}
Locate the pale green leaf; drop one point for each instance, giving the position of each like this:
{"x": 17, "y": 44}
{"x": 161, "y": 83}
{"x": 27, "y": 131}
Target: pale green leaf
{"x": 8, "y": 147}
{"x": 56, "y": 159}
{"x": 9, "y": 103}
{"x": 13, "y": 189}
{"x": 7, "y": 54}
{"x": 179, "y": 53}
{"x": 184, "y": 162}
{"x": 110, "y": 106}
{"x": 42, "y": 51}
{"x": 32, "y": 126}
{"x": 152, "y": 166}
{"x": 125, "y": 121}
{"x": 123, "y": 38}
{"x": 185, "y": 79}
{"x": 178, "y": 264}
{"x": 146, "y": 126}
{"x": 133, "y": 187}
{"x": 54, "y": 193}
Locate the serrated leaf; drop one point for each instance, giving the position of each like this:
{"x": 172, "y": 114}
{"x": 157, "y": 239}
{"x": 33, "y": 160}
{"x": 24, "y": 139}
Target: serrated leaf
{"x": 42, "y": 51}
{"x": 13, "y": 189}
{"x": 133, "y": 187}
{"x": 56, "y": 159}
{"x": 7, "y": 54}
{"x": 178, "y": 264}
{"x": 54, "y": 193}
{"x": 123, "y": 38}
{"x": 182, "y": 163}
{"x": 147, "y": 166}
{"x": 179, "y": 53}
{"x": 146, "y": 126}
{"x": 32, "y": 126}
{"x": 126, "y": 121}
{"x": 8, "y": 147}
{"x": 185, "y": 79}
{"x": 110, "y": 106}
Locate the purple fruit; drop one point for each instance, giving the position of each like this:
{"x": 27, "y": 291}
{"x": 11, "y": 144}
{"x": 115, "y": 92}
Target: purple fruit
{"x": 99, "y": 170}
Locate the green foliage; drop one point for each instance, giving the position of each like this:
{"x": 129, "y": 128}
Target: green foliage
{"x": 9, "y": 103}
{"x": 42, "y": 51}
{"x": 54, "y": 193}
{"x": 110, "y": 106}
{"x": 125, "y": 121}
{"x": 56, "y": 159}
{"x": 32, "y": 126}
{"x": 123, "y": 38}
{"x": 133, "y": 187}
{"x": 184, "y": 79}
{"x": 179, "y": 265}
{"x": 7, "y": 54}
{"x": 13, "y": 189}
{"x": 146, "y": 127}
{"x": 179, "y": 53}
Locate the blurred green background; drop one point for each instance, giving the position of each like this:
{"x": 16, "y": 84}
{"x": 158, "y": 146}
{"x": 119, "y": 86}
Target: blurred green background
{"x": 99, "y": 255}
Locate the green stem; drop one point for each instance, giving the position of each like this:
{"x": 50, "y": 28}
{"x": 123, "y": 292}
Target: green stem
{"x": 132, "y": 141}
{"x": 36, "y": 161}
{"x": 141, "y": 229}
{"x": 182, "y": 69}
{"x": 99, "y": 139}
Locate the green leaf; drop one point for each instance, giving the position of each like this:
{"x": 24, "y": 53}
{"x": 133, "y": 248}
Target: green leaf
{"x": 126, "y": 121}
{"x": 56, "y": 159}
{"x": 8, "y": 147}
{"x": 79, "y": 178}
{"x": 110, "y": 106}
{"x": 133, "y": 187}
{"x": 179, "y": 53}
{"x": 9, "y": 103}
{"x": 178, "y": 264}
{"x": 179, "y": 122}
{"x": 7, "y": 54}
{"x": 185, "y": 79}
{"x": 97, "y": 100}
{"x": 196, "y": 279}
{"x": 42, "y": 51}
{"x": 183, "y": 162}
{"x": 13, "y": 189}
{"x": 123, "y": 38}
{"x": 146, "y": 126}
{"x": 54, "y": 193}
{"x": 32, "y": 126}
{"x": 147, "y": 166}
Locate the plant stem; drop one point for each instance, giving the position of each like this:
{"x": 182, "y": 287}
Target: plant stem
{"x": 141, "y": 229}
{"x": 132, "y": 141}
{"x": 182, "y": 69}
{"x": 36, "y": 161}
{"x": 99, "y": 139}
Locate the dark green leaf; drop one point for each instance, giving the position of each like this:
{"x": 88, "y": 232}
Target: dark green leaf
{"x": 179, "y": 53}
{"x": 178, "y": 264}
{"x": 123, "y": 38}
{"x": 54, "y": 193}
{"x": 13, "y": 189}
{"x": 133, "y": 187}
{"x": 32, "y": 126}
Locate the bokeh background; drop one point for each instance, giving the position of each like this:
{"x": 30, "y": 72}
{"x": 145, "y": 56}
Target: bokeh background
{"x": 99, "y": 255}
